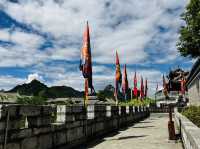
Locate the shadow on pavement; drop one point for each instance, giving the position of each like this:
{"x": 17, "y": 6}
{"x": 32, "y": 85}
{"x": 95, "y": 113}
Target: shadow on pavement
{"x": 96, "y": 141}
{"x": 146, "y": 122}
{"x": 127, "y": 137}
{"x": 143, "y": 127}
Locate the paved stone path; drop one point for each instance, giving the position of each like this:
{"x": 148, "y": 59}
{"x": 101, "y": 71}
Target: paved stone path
{"x": 148, "y": 134}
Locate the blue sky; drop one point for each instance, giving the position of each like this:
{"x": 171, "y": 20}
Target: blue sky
{"x": 42, "y": 39}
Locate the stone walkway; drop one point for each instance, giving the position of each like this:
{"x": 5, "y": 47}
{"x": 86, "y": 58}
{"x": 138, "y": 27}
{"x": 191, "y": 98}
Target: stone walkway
{"x": 148, "y": 134}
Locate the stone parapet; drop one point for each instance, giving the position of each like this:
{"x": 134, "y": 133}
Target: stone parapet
{"x": 61, "y": 126}
{"x": 190, "y": 133}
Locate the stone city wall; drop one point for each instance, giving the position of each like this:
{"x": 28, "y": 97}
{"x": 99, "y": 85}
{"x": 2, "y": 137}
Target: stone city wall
{"x": 61, "y": 126}
{"x": 194, "y": 90}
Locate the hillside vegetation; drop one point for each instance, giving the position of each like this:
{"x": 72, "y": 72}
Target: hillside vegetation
{"x": 36, "y": 88}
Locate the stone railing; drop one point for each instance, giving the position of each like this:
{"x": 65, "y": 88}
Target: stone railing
{"x": 48, "y": 127}
{"x": 190, "y": 133}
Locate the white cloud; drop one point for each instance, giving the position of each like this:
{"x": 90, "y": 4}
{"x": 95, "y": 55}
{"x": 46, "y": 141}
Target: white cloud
{"x": 8, "y": 82}
{"x": 131, "y": 27}
{"x": 33, "y": 76}
{"x": 113, "y": 28}
{"x": 26, "y": 40}
{"x": 4, "y": 35}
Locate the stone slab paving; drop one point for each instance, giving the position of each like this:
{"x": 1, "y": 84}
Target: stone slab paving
{"x": 148, "y": 134}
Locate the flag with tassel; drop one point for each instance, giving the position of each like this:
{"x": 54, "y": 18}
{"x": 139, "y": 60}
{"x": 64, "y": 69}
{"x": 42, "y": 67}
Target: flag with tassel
{"x": 118, "y": 78}
{"x": 125, "y": 86}
{"x": 86, "y": 62}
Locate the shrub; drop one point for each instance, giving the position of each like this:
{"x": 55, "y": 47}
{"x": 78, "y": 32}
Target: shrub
{"x": 138, "y": 102}
{"x": 35, "y": 100}
{"x": 193, "y": 114}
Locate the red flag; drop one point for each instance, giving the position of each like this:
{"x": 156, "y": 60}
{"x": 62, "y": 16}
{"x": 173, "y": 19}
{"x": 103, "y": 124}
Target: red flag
{"x": 118, "y": 75}
{"x": 86, "y": 59}
{"x": 142, "y": 89}
{"x": 135, "y": 90}
{"x": 165, "y": 87}
{"x": 183, "y": 81}
{"x": 146, "y": 88}
{"x": 125, "y": 82}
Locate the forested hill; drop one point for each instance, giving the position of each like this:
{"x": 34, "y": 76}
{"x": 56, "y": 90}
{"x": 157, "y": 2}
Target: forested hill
{"x": 36, "y": 88}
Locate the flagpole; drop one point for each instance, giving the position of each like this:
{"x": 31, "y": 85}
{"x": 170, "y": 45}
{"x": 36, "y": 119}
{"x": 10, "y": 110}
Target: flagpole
{"x": 86, "y": 92}
{"x": 116, "y": 99}
{"x": 131, "y": 93}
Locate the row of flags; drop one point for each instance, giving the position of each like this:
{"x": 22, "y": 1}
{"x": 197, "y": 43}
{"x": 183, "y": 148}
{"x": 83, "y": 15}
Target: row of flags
{"x": 125, "y": 86}
{"x": 86, "y": 68}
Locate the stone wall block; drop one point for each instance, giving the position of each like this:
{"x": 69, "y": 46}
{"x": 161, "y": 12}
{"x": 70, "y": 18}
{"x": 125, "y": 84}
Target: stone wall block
{"x": 123, "y": 110}
{"x": 136, "y": 109}
{"x": 45, "y": 141}
{"x": 16, "y": 124}
{"x": 19, "y": 134}
{"x": 43, "y": 130}
{"x": 60, "y": 138}
{"x": 80, "y": 116}
{"x": 99, "y": 108}
{"x": 48, "y": 110}
{"x": 99, "y": 126}
{"x": 30, "y": 110}
{"x": 13, "y": 145}
{"x": 58, "y": 126}
{"x": 2, "y": 125}
{"x": 127, "y": 110}
{"x": 72, "y": 134}
{"x": 108, "y": 111}
{"x": 81, "y": 132}
{"x": 74, "y": 124}
{"x": 69, "y": 118}
{"x": 131, "y": 109}
{"x": 90, "y": 112}
{"x": 2, "y": 138}
{"x": 77, "y": 109}
{"x": 39, "y": 121}
{"x": 29, "y": 143}
{"x": 114, "y": 111}
{"x": 68, "y": 109}
{"x": 13, "y": 111}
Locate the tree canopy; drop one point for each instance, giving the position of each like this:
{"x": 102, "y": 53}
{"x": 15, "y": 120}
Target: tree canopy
{"x": 189, "y": 40}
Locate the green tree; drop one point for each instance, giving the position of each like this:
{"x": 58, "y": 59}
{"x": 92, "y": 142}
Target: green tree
{"x": 189, "y": 40}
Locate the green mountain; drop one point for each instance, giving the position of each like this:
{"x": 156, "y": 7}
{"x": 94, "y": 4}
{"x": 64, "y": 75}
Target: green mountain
{"x": 60, "y": 92}
{"x": 36, "y": 88}
{"x": 31, "y": 89}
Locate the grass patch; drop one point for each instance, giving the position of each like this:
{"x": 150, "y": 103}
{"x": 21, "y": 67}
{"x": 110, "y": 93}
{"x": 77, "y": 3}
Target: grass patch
{"x": 193, "y": 114}
{"x": 138, "y": 102}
